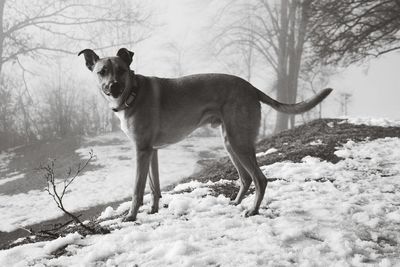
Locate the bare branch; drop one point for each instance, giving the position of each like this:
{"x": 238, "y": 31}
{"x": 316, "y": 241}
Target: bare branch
{"x": 274, "y": 17}
{"x": 51, "y": 187}
{"x": 350, "y": 31}
{"x": 67, "y": 182}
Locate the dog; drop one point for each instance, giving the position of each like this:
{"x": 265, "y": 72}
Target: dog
{"x": 156, "y": 112}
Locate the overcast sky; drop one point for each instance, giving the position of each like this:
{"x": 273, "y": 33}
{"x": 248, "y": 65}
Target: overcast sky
{"x": 375, "y": 87}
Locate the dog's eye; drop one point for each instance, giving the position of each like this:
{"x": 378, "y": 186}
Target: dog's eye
{"x": 102, "y": 72}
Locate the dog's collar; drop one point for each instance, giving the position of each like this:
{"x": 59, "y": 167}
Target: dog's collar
{"x": 130, "y": 98}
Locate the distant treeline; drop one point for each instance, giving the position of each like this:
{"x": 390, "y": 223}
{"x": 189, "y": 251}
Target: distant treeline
{"x": 56, "y": 112}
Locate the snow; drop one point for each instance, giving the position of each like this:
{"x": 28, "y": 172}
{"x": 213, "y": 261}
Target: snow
{"x": 382, "y": 122}
{"x": 316, "y": 213}
{"x": 30, "y": 253}
{"x": 269, "y": 151}
{"x": 394, "y": 216}
{"x": 107, "y": 213}
{"x": 187, "y": 186}
{"x": 5, "y": 158}
{"x": 112, "y": 182}
{"x": 330, "y": 124}
{"x": 316, "y": 143}
{"x": 61, "y": 242}
{"x": 14, "y": 176}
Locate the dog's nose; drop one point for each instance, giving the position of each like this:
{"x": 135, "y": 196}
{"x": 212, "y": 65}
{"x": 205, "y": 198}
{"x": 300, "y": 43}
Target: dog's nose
{"x": 115, "y": 89}
{"x": 113, "y": 86}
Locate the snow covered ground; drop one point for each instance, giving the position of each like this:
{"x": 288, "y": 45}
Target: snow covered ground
{"x": 112, "y": 182}
{"x": 316, "y": 213}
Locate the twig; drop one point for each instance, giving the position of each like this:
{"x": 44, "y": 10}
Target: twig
{"x": 56, "y": 195}
{"x": 27, "y": 230}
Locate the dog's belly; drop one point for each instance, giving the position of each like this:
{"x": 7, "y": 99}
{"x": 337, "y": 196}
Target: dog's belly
{"x": 180, "y": 127}
{"x": 171, "y": 137}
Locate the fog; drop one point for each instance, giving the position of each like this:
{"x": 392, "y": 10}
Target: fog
{"x": 170, "y": 39}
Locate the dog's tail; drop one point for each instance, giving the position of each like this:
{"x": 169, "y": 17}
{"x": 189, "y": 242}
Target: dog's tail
{"x": 294, "y": 108}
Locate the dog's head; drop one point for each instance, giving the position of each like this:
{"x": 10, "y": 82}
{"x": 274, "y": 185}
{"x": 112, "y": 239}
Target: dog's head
{"x": 113, "y": 73}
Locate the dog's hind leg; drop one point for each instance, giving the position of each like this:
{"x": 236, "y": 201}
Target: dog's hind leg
{"x": 154, "y": 182}
{"x": 241, "y": 127}
{"x": 244, "y": 176}
{"x": 248, "y": 160}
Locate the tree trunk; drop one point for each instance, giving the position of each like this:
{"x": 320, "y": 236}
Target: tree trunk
{"x": 301, "y": 38}
{"x": 320, "y": 111}
{"x": 297, "y": 13}
{"x": 2, "y": 2}
{"x": 292, "y": 77}
{"x": 282, "y": 85}
{"x": 29, "y": 134}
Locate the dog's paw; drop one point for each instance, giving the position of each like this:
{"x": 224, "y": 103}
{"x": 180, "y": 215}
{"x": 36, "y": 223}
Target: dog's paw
{"x": 153, "y": 210}
{"x": 129, "y": 218}
{"x": 234, "y": 202}
{"x": 251, "y": 212}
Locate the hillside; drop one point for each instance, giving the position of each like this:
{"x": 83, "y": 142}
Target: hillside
{"x": 333, "y": 199}
{"x": 318, "y": 138}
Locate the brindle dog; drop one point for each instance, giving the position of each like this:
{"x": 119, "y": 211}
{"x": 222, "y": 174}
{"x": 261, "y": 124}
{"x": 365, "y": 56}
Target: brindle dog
{"x": 156, "y": 112}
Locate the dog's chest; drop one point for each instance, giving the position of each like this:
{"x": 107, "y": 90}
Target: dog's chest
{"x": 123, "y": 121}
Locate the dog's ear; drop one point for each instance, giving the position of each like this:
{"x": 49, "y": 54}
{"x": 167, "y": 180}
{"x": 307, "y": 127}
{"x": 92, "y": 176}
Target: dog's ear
{"x": 90, "y": 57}
{"x": 125, "y": 55}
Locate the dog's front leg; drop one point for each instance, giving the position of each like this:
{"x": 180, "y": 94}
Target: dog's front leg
{"x": 142, "y": 168}
{"x": 154, "y": 182}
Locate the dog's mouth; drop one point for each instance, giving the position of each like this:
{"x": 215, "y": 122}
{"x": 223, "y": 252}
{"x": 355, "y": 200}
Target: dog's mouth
{"x": 114, "y": 92}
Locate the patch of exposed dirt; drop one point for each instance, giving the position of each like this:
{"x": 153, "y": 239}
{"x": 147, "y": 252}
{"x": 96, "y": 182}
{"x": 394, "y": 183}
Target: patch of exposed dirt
{"x": 28, "y": 159}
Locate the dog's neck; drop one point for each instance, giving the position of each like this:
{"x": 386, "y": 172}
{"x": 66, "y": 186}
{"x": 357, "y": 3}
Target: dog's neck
{"x": 129, "y": 95}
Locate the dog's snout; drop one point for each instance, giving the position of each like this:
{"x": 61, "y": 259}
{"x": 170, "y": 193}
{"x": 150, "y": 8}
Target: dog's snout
{"x": 106, "y": 89}
{"x": 115, "y": 89}
{"x": 113, "y": 86}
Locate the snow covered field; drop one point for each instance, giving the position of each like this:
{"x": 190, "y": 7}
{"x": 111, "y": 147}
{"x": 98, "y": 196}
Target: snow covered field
{"x": 316, "y": 213}
{"x": 112, "y": 182}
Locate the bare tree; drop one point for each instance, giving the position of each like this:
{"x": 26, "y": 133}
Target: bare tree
{"x": 43, "y": 29}
{"x": 278, "y": 33}
{"x": 67, "y": 21}
{"x": 314, "y": 78}
{"x": 344, "y": 100}
{"x": 352, "y": 30}
{"x": 294, "y": 17}
{"x": 236, "y": 48}
{"x": 67, "y": 108}
{"x": 9, "y": 134}
{"x": 175, "y": 57}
